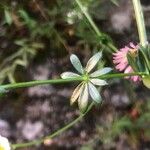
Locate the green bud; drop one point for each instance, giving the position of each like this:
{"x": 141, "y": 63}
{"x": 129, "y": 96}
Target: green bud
{"x": 146, "y": 81}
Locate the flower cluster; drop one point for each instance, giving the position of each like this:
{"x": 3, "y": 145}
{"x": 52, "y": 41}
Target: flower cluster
{"x": 120, "y": 59}
{"x": 90, "y": 80}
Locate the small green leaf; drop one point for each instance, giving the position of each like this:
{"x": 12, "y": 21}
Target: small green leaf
{"x": 20, "y": 62}
{"x": 30, "y": 22}
{"x": 93, "y": 61}
{"x": 101, "y": 72}
{"x": 99, "y": 82}
{"x": 115, "y": 2}
{"x": 8, "y": 17}
{"x": 94, "y": 93}
{"x": 69, "y": 75}
{"x": 21, "y": 42}
{"x": 141, "y": 63}
{"x": 76, "y": 63}
{"x": 132, "y": 62}
{"x": 146, "y": 81}
{"x": 83, "y": 99}
{"x": 76, "y": 93}
{"x": 144, "y": 55}
{"x": 2, "y": 91}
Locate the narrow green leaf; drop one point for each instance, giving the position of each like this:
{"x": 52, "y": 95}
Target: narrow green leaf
{"x": 2, "y": 91}
{"x": 76, "y": 93}
{"x": 8, "y": 17}
{"x": 145, "y": 58}
{"x": 99, "y": 82}
{"x": 94, "y": 93}
{"x": 141, "y": 62}
{"x": 146, "y": 81}
{"x": 115, "y": 2}
{"x": 132, "y": 62}
{"x": 68, "y": 75}
{"x": 93, "y": 61}
{"x": 83, "y": 99}
{"x": 76, "y": 63}
{"x": 101, "y": 72}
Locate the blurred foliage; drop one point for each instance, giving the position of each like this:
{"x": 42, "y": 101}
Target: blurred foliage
{"x": 26, "y": 51}
{"x": 34, "y": 26}
{"x": 135, "y": 124}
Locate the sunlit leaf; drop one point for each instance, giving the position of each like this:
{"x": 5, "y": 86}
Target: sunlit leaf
{"x": 101, "y": 72}
{"x": 83, "y": 98}
{"x": 8, "y": 17}
{"x": 146, "y": 81}
{"x": 68, "y": 75}
{"x": 20, "y": 62}
{"x": 98, "y": 82}
{"x": 11, "y": 77}
{"x": 30, "y": 22}
{"x": 132, "y": 62}
{"x": 94, "y": 93}
{"x": 93, "y": 61}
{"x": 115, "y": 2}
{"x": 76, "y": 63}
{"x": 2, "y": 91}
{"x": 76, "y": 93}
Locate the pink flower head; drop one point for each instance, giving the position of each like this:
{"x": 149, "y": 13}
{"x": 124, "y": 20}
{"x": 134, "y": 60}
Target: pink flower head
{"x": 121, "y": 61}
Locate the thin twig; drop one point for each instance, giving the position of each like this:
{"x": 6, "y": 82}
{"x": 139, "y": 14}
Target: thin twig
{"x": 140, "y": 22}
{"x": 58, "y": 132}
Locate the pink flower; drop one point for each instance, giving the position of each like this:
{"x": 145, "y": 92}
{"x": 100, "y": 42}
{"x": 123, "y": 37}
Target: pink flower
{"x": 121, "y": 61}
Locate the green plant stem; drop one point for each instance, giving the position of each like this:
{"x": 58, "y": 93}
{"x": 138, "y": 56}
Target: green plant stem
{"x": 122, "y": 75}
{"x": 60, "y": 81}
{"x": 95, "y": 28}
{"x": 39, "y": 82}
{"x": 140, "y": 22}
{"x": 56, "y": 81}
{"x": 39, "y": 141}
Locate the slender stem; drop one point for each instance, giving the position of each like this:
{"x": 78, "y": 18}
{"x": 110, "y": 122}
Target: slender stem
{"x": 66, "y": 127}
{"x": 89, "y": 18}
{"x": 95, "y": 28}
{"x": 56, "y": 81}
{"x": 140, "y": 22}
{"x": 121, "y": 75}
{"x": 59, "y": 81}
{"x": 39, "y": 82}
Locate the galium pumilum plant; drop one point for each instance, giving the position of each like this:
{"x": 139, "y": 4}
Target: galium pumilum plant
{"x": 81, "y": 93}
{"x": 132, "y": 60}
{"x": 90, "y": 80}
